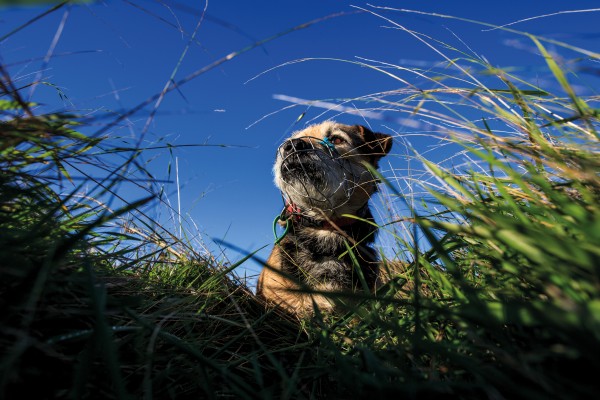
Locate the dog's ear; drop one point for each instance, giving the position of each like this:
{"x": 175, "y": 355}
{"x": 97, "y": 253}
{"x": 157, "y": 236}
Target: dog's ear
{"x": 378, "y": 144}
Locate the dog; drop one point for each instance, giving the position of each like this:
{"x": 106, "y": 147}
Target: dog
{"x": 324, "y": 174}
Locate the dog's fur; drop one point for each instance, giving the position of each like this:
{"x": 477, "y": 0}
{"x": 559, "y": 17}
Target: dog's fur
{"x": 320, "y": 186}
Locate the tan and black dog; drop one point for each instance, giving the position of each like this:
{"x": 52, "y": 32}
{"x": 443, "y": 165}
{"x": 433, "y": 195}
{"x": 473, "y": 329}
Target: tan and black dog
{"x": 322, "y": 172}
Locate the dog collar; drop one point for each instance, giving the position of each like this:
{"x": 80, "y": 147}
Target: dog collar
{"x": 293, "y": 213}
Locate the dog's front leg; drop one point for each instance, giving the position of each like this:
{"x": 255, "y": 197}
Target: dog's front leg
{"x": 285, "y": 293}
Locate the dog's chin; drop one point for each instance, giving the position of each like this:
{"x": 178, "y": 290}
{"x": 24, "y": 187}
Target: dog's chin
{"x": 310, "y": 190}
{"x": 307, "y": 196}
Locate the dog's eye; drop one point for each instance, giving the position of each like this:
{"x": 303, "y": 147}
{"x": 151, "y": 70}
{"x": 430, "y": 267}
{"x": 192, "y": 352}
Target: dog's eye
{"x": 337, "y": 140}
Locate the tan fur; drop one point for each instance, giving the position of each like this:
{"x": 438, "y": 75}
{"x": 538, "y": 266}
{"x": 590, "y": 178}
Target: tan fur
{"x": 285, "y": 292}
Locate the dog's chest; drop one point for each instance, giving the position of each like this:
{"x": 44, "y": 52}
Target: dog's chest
{"x": 320, "y": 258}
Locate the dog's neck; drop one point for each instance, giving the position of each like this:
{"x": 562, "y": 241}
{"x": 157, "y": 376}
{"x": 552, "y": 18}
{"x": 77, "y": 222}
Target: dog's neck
{"x": 316, "y": 251}
{"x": 293, "y": 213}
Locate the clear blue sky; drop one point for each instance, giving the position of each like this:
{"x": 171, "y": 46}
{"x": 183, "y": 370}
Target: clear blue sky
{"x": 112, "y": 55}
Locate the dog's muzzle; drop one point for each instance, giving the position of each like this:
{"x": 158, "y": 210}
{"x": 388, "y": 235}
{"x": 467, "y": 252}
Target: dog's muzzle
{"x": 303, "y": 144}
{"x": 306, "y": 159}
{"x": 313, "y": 173}
{"x": 293, "y": 145}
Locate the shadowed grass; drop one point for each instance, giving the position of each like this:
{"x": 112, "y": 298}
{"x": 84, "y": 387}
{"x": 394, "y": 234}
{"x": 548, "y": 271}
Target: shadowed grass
{"x": 94, "y": 310}
{"x": 497, "y": 289}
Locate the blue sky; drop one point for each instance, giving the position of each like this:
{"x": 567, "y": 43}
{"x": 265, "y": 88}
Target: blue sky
{"x": 113, "y": 55}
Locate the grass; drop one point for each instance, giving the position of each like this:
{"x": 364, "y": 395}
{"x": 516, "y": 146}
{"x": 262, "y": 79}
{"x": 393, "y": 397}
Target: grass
{"x": 497, "y": 294}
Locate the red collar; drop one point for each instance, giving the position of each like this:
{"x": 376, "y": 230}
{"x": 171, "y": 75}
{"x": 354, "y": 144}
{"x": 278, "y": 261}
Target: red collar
{"x": 292, "y": 211}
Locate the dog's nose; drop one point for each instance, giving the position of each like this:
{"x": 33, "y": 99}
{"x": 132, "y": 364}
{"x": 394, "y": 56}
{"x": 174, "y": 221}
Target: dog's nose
{"x": 295, "y": 145}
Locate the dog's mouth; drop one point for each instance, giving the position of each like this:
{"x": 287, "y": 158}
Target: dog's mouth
{"x": 307, "y": 167}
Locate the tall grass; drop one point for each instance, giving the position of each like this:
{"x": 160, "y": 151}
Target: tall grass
{"x": 495, "y": 294}
{"x": 497, "y": 291}
{"x": 101, "y": 302}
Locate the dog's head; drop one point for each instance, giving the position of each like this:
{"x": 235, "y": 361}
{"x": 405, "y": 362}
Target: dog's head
{"x": 323, "y": 169}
